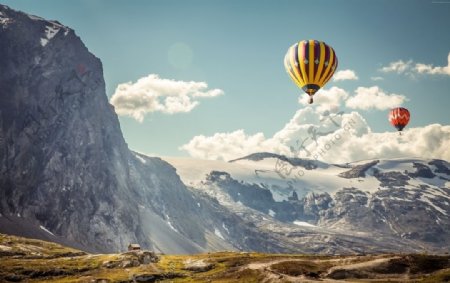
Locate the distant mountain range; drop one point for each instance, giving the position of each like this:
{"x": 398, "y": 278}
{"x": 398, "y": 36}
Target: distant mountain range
{"x": 67, "y": 175}
{"x": 371, "y": 205}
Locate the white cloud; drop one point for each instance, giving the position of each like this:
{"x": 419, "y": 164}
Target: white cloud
{"x": 398, "y": 67}
{"x": 429, "y": 69}
{"x": 377, "y": 78}
{"x": 334, "y": 138}
{"x": 154, "y": 94}
{"x": 226, "y": 146}
{"x": 326, "y": 99}
{"x": 298, "y": 137}
{"x": 374, "y": 98}
{"x": 345, "y": 75}
{"x": 411, "y": 68}
{"x": 431, "y": 141}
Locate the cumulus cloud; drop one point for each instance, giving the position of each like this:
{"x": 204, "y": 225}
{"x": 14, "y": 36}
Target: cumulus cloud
{"x": 326, "y": 99}
{"x": 301, "y": 137}
{"x": 345, "y": 75}
{"x": 429, "y": 69}
{"x": 410, "y": 68}
{"x": 399, "y": 66}
{"x": 376, "y": 78}
{"x": 332, "y": 137}
{"x": 155, "y": 94}
{"x": 374, "y": 98}
{"x": 431, "y": 141}
{"x": 226, "y": 146}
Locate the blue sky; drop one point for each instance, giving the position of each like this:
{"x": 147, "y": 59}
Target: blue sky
{"x": 239, "y": 46}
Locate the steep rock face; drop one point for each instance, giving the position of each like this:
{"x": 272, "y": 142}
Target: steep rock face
{"x": 63, "y": 159}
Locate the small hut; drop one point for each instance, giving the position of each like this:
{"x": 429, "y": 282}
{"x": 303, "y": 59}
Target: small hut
{"x": 134, "y": 247}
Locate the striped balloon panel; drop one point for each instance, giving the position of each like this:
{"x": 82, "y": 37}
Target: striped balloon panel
{"x": 310, "y": 64}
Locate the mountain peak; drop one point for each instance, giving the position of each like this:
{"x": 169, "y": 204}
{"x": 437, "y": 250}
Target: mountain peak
{"x": 42, "y": 30}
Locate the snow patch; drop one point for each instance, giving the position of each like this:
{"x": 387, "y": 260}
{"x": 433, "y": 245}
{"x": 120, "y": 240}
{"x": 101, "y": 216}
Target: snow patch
{"x": 50, "y": 32}
{"x": 218, "y": 234}
{"x": 272, "y": 213}
{"x": 397, "y": 165}
{"x": 170, "y": 224}
{"x": 65, "y": 188}
{"x": 44, "y": 42}
{"x": 302, "y": 223}
{"x": 225, "y": 227}
{"x": 35, "y": 18}
{"x": 436, "y": 181}
{"x": 142, "y": 160}
{"x": 46, "y": 230}
{"x": 429, "y": 202}
{"x": 438, "y": 193}
{"x": 198, "y": 204}
{"x": 4, "y": 20}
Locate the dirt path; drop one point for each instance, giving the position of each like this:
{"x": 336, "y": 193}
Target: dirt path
{"x": 344, "y": 263}
{"x": 365, "y": 264}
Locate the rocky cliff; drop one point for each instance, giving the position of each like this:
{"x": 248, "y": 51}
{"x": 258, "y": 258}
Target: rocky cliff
{"x": 64, "y": 162}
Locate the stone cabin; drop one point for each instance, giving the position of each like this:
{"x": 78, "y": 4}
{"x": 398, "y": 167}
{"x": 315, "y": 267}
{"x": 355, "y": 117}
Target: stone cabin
{"x": 134, "y": 247}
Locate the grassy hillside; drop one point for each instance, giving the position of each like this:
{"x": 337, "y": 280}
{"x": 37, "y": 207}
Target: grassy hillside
{"x": 27, "y": 260}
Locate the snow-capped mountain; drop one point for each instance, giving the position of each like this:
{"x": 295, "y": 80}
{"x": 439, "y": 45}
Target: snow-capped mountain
{"x": 403, "y": 204}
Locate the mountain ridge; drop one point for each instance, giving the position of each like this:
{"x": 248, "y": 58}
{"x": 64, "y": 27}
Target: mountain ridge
{"x": 378, "y": 200}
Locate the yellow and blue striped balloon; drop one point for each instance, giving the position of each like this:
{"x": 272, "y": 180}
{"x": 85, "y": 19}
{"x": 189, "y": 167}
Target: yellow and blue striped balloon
{"x": 310, "y": 64}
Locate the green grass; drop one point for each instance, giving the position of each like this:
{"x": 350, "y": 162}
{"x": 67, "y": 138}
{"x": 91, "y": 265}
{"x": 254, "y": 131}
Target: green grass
{"x": 440, "y": 276}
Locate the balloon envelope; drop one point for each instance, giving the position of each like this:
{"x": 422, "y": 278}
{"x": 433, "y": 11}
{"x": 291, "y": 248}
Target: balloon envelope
{"x": 310, "y": 64}
{"x": 399, "y": 117}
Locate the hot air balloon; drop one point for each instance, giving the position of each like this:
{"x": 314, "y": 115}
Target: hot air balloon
{"x": 310, "y": 64}
{"x": 399, "y": 117}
